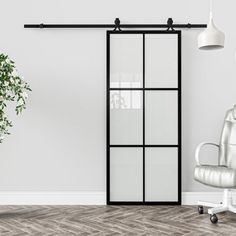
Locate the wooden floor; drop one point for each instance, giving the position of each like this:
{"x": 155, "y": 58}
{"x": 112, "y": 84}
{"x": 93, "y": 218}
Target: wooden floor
{"x": 111, "y": 220}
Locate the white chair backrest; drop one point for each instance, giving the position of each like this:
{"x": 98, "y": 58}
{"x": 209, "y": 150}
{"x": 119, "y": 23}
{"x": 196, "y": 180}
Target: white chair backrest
{"x": 227, "y": 151}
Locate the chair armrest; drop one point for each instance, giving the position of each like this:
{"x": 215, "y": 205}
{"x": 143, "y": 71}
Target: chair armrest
{"x": 199, "y": 148}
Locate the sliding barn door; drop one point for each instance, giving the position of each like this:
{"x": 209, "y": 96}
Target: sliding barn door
{"x": 144, "y": 117}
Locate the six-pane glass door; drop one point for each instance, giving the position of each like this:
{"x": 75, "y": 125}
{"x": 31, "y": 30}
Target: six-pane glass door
{"x": 143, "y": 140}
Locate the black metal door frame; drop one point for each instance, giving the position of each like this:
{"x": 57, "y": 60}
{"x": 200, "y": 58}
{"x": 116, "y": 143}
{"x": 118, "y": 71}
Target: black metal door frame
{"x": 143, "y": 89}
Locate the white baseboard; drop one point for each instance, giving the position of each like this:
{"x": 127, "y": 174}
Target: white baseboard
{"x": 52, "y": 198}
{"x": 191, "y": 198}
{"x": 88, "y": 198}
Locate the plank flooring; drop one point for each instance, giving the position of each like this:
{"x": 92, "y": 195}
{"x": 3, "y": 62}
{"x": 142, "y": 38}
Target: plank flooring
{"x": 111, "y": 221}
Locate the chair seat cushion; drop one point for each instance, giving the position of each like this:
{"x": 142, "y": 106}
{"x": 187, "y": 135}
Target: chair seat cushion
{"x": 215, "y": 176}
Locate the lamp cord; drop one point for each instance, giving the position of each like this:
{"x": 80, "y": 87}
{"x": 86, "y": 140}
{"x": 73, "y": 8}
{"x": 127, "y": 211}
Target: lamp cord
{"x": 211, "y": 9}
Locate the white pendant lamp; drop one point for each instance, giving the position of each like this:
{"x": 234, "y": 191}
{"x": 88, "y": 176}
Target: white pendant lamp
{"x": 211, "y": 37}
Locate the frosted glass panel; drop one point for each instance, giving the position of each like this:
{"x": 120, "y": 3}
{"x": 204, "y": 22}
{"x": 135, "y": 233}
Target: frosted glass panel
{"x": 161, "y": 60}
{"x": 161, "y": 179}
{"x": 126, "y": 117}
{"x": 126, "y": 61}
{"x": 126, "y": 174}
{"x": 161, "y": 117}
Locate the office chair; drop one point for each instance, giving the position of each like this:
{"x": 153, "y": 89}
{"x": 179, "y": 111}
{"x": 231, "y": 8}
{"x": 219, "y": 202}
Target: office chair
{"x": 222, "y": 175}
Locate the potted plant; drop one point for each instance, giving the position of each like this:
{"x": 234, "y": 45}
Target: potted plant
{"x": 12, "y": 89}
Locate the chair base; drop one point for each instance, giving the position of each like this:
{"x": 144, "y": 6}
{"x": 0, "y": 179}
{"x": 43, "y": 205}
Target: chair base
{"x": 226, "y": 205}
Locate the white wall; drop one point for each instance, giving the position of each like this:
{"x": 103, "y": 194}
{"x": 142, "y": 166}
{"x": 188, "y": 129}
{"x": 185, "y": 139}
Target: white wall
{"x": 58, "y": 144}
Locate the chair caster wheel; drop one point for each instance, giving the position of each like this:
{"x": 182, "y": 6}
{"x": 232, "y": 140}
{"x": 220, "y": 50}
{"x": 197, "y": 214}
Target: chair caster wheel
{"x": 214, "y": 219}
{"x": 200, "y": 209}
